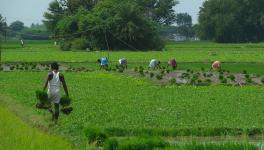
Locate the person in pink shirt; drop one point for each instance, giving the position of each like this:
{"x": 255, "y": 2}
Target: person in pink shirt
{"x": 172, "y": 63}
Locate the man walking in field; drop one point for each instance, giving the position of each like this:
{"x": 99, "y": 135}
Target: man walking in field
{"x": 53, "y": 82}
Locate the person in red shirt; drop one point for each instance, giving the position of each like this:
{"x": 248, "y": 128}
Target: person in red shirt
{"x": 216, "y": 65}
{"x": 172, "y": 63}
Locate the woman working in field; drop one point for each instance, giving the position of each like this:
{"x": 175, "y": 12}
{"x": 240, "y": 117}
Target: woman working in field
{"x": 53, "y": 82}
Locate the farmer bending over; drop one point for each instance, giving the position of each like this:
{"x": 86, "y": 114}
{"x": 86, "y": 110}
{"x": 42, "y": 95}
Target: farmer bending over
{"x": 103, "y": 62}
{"x": 54, "y": 80}
{"x": 123, "y": 63}
{"x": 216, "y": 65}
{"x": 154, "y": 64}
{"x": 172, "y": 63}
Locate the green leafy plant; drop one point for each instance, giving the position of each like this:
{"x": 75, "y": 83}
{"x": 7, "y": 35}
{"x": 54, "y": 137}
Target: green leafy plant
{"x": 96, "y": 135}
{"x": 65, "y": 101}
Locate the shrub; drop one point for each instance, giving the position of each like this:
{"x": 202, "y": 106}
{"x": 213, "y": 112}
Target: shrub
{"x": 136, "y": 69}
{"x": 232, "y": 77}
{"x": 249, "y": 80}
{"x": 247, "y": 76}
{"x": 66, "y": 46}
{"x": 244, "y": 72}
{"x": 95, "y": 135}
{"x": 195, "y": 77}
{"x": 159, "y": 76}
{"x": 162, "y": 72}
{"x": 121, "y": 69}
{"x": 12, "y": 67}
{"x": 168, "y": 70}
{"x": 224, "y": 80}
{"x": 202, "y": 69}
{"x": 262, "y": 80}
{"x": 65, "y": 101}
{"x": 208, "y": 81}
{"x": 151, "y": 75}
{"x": 80, "y": 43}
{"x": 172, "y": 81}
{"x": 111, "y": 144}
{"x": 221, "y": 77}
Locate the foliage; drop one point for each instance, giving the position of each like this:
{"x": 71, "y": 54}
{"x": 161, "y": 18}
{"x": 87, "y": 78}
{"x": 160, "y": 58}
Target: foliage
{"x": 232, "y": 21}
{"x": 114, "y": 23}
{"x": 17, "y": 26}
{"x": 2, "y": 24}
{"x": 95, "y": 135}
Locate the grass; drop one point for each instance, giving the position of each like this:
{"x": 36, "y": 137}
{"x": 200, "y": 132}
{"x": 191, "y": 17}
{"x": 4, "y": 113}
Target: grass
{"x": 183, "y": 52}
{"x": 17, "y": 134}
{"x": 105, "y": 101}
{"x": 120, "y": 106}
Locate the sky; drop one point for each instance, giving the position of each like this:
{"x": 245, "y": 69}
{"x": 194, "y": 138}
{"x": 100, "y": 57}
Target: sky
{"x": 31, "y": 11}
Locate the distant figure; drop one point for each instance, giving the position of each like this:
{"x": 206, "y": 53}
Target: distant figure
{"x": 103, "y": 62}
{"x": 22, "y": 43}
{"x": 53, "y": 82}
{"x": 55, "y": 43}
{"x": 123, "y": 63}
{"x": 216, "y": 65}
{"x": 153, "y": 64}
{"x": 172, "y": 63}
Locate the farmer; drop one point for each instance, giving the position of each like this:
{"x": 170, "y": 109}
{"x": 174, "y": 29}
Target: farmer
{"x": 216, "y": 65}
{"x": 103, "y": 62}
{"x": 123, "y": 63}
{"x": 53, "y": 82}
{"x": 22, "y": 43}
{"x": 172, "y": 63}
{"x": 153, "y": 64}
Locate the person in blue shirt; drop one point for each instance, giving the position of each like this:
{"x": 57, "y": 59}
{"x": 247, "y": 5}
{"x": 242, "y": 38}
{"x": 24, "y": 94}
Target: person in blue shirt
{"x": 103, "y": 62}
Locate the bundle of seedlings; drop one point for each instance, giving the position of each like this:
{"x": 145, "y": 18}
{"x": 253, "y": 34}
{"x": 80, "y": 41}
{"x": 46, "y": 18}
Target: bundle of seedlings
{"x": 65, "y": 103}
{"x": 43, "y": 100}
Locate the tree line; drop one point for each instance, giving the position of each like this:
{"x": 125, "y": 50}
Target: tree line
{"x": 17, "y": 30}
{"x": 233, "y": 21}
{"x": 114, "y": 24}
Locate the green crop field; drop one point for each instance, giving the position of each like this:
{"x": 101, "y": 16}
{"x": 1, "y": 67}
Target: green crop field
{"x": 123, "y": 106}
{"x": 184, "y": 52}
{"x": 17, "y": 134}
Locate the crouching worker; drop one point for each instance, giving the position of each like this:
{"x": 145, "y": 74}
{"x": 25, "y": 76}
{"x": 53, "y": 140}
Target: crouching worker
{"x": 216, "y": 65}
{"x": 154, "y": 64}
{"x": 122, "y": 63}
{"x": 103, "y": 62}
{"x": 172, "y": 63}
{"x": 53, "y": 82}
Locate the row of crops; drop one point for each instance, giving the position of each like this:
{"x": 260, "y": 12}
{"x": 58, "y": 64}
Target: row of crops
{"x": 104, "y": 101}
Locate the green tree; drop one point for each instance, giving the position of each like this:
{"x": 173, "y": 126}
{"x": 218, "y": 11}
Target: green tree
{"x": 119, "y": 24}
{"x": 161, "y": 11}
{"x": 53, "y": 15}
{"x": 184, "y": 25}
{"x": 17, "y": 26}
{"x": 232, "y": 21}
{"x": 2, "y": 24}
